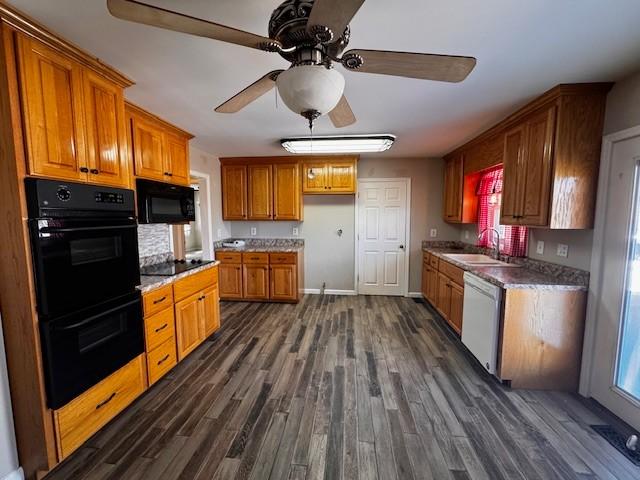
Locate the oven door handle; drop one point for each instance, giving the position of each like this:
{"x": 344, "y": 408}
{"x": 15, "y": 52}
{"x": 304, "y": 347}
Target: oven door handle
{"x": 84, "y": 229}
{"x": 91, "y": 319}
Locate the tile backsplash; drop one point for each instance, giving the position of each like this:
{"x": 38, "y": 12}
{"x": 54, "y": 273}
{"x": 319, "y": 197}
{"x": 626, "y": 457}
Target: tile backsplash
{"x": 154, "y": 239}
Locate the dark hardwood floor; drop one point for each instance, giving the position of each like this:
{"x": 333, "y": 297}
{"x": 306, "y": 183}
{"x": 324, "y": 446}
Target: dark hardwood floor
{"x": 343, "y": 387}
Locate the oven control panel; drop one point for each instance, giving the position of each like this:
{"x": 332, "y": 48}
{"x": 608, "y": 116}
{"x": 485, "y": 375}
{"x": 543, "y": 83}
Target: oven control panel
{"x": 109, "y": 197}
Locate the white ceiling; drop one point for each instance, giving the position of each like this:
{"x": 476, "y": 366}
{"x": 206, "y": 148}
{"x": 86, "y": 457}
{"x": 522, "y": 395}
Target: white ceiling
{"x": 523, "y": 48}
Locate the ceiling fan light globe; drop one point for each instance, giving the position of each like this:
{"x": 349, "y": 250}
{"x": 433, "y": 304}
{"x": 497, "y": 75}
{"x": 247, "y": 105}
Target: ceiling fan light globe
{"x": 307, "y": 88}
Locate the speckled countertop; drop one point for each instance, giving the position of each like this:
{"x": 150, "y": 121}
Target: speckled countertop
{"x": 270, "y": 245}
{"x": 151, "y": 282}
{"x": 512, "y": 277}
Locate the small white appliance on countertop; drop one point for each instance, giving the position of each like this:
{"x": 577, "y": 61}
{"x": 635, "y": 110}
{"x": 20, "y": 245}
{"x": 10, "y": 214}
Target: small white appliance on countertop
{"x": 481, "y": 320}
{"x": 234, "y": 244}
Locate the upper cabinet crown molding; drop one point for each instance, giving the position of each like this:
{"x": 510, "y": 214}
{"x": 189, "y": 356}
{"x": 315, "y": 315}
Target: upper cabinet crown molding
{"x": 28, "y": 26}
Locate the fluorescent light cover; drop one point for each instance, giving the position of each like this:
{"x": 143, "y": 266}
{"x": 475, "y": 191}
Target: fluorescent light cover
{"x": 339, "y": 144}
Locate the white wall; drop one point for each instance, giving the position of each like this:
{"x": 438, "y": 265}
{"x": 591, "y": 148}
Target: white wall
{"x": 8, "y": 452}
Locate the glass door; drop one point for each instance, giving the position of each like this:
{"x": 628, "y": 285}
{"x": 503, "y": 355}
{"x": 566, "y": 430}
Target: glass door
{"x": 615, "y": 357}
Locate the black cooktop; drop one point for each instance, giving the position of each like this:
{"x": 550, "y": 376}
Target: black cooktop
{"x": 169, "y": 269}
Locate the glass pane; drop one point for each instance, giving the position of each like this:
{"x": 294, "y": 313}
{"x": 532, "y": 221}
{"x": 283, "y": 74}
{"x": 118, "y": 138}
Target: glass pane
{"x": 628, "y": 371}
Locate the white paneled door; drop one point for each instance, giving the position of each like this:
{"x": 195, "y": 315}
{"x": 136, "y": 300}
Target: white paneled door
{"x": 382, "y": 237}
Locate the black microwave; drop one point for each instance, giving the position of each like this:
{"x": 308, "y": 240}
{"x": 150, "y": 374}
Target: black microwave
{"x": 164, "y": 203}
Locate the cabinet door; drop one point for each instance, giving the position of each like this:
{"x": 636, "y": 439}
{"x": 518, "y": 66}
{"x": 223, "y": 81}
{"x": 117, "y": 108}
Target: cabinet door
{"x": 189, "y": 329}
{"x": 286, "y": 192}
{"x": 210, "y": 311}
{"x": 234, "y": 192}
{"x": 148, "y": 150}
{"x": 314, "y": 178}
{"x": 535, "y": 181}
{"x": 433, "y": 287}
{"x": 425, "y": 279}
{"x": 106, "y": 131}
{"x": 51, "y": 92}
{"x": 455, "y": 313}
{"x": 230, "y": 280}
{"x": 341, "y": 177}
{"x": 255, "y": 282}
{"x": 514, "y": 142}
{"x": 453, "y": 177}
{"x": 260, "y": 192}
{"x": 176, "y": 162}
{"x": 284, "y": 283}
{"x": 444, "y": 296}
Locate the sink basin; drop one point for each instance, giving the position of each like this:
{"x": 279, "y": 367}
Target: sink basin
{"x": 478, "y": 260}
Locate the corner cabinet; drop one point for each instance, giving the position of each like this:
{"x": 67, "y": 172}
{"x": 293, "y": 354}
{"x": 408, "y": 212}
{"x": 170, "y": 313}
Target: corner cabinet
{"x": 160, "y": 151}
{"x": 329, "y": 175}
{"x": 550, "y": 150}
{"x": 460, "y": 203}
{"x": 261, "y": 188}
{"x": 73, "y": 116}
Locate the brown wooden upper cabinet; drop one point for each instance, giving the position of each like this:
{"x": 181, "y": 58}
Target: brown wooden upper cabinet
{"x": 329, "y": 175}
{"x": 460, "y": 203}
{"x": 261, "y": 188}
{"x": 73, "y": 116}
{"x": 551, "y": 157}
{"x": 160, "y": 150}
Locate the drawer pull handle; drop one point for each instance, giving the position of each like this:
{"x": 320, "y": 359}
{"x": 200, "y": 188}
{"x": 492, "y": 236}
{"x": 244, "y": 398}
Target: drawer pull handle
{"x": 164, "y": 359}
{"x": 159, "y": 329}
{"x": 102, "y": 404}
{"x": 155, "y": 302}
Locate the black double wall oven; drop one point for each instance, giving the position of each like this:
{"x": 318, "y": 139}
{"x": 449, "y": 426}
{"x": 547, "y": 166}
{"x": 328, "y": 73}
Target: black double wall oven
{"x": 85, "y": 254}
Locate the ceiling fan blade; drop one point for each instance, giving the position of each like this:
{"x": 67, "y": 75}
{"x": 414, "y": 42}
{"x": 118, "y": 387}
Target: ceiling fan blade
{"x": 139, "y": 12}
{"x": 249, "y": 94}
{"x": 443, "y": 68}
{"x": 342, "y": 115}
{"x": 333, "y": 14}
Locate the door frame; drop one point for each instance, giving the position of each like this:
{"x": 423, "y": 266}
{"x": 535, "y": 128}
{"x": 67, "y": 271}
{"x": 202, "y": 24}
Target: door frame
{"x": 597, "y": 259}
{"x": 407, "y": 181}
{"x": 207, "y": 250}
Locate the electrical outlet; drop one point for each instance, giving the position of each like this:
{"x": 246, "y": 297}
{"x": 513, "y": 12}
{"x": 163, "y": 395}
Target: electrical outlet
{"x": 219, "y": 233}
{"x": 295, "y": 231}
{"x": 540, "y": 247}
{"x": 433, "y": 233}
{"x": 563, "y": 250}
{"x": 466, "y": 235}
{"x": 254, "y": 231}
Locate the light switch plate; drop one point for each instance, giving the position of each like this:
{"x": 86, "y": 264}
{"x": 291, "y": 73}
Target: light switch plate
{"x": 433, "y": 233}
{"x": 540, "y": 247}
{"x": 563, "y": 250}
{"x": 295, "y": 231}
{"x": 254, "y": 231}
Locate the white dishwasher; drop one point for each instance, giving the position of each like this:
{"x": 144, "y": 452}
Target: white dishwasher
{"x": 481, "y": 320}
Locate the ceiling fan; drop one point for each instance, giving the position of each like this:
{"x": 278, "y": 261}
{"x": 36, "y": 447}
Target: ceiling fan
{"x": 312, "y": 35}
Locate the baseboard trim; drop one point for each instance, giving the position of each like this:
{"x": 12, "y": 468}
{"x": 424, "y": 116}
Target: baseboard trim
{"x": 414, "y": 295}
{"x": 317, "y": 291}
{"x": 15, "y": 475}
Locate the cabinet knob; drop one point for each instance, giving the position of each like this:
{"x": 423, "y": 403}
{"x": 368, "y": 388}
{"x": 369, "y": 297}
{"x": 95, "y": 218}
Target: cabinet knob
{"x": 95, "y": 171}
{"x": 84, "y": 169}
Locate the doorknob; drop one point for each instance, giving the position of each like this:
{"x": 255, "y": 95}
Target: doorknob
{"x": 401, "y": 247}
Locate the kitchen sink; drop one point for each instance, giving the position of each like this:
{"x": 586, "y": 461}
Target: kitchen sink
{"x": 478, "y": 260}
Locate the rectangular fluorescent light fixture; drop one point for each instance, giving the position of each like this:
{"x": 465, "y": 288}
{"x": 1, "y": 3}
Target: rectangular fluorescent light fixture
{"x": 338, "y": 144}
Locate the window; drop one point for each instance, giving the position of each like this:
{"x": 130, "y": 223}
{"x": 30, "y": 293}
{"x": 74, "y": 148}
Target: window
{"x": 513, "y": 239}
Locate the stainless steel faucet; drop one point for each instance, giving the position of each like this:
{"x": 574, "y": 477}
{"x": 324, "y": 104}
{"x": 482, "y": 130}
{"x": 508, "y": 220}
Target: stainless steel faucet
{"x": 496, "y": 253}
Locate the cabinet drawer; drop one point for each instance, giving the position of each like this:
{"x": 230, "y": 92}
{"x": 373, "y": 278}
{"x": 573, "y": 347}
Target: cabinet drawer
{"x": 157, "y": 300}
{"x": 283, "y": 258}
{"x": 255, "y": 258}
{"x": 229, "y": 257}
{"x": 194, "y": 283}
{"x": 453, "y": 272}
{"x": 88, "y": 413}
{"x": 426, "y": 258}
{"x": 158, "y": 328}
{"x": 434, "y": 261}
{"x": 161, "y": 360}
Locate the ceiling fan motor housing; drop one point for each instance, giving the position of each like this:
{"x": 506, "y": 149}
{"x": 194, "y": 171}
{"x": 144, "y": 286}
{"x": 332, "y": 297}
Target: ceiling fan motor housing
{"x": 288, "y": 25}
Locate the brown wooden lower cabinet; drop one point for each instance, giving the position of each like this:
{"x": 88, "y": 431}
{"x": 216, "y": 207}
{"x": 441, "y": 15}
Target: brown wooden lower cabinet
{"x": 188, "y": 326}
{"x": 261, "y": 276}
{"x": 442, "y": 287}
